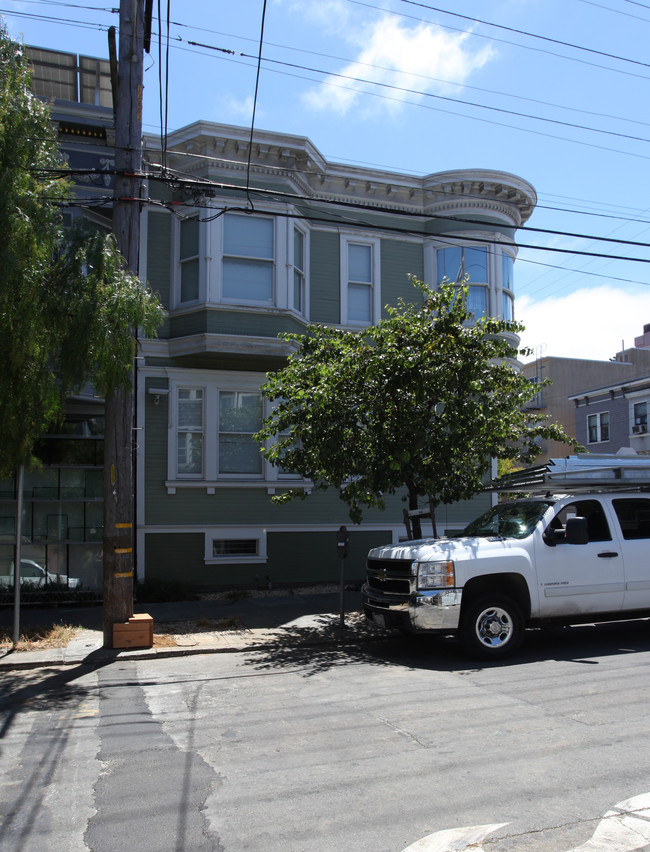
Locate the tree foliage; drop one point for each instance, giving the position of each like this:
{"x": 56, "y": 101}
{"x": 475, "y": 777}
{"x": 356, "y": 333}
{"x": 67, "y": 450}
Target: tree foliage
{"x": 68, "y": 306}
{"x": 422, "y": 401}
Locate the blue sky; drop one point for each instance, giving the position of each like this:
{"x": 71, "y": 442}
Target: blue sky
{"x": 555, "y": 91}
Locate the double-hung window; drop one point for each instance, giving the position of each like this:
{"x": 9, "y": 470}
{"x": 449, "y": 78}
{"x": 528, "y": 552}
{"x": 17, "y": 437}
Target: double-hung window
{"x": 598, "y": 427}
{"x": 455, "y": 263}
{"x": 189, "y": 434}
{"x": 359, "y": 281}
{"x": 240, "y": 417}
{"x": 188, "y": 256}
{"x": 299, "y": 295}
{"x": 507, "y": 283}
{"x": 640, "y": 417}
{"x": 248, "y": 258}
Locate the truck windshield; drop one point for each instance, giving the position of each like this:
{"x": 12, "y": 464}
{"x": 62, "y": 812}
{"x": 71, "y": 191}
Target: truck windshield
{"x": 508, "y": 520}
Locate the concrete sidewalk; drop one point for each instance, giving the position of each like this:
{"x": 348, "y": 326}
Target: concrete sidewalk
{"x": 194, "y": 626}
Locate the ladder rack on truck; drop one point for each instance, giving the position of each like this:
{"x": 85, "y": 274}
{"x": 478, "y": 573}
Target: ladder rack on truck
{"x": 578, "y": 474}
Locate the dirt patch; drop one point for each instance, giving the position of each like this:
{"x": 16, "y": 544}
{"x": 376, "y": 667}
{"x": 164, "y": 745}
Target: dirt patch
{"x": 39, "y": 638}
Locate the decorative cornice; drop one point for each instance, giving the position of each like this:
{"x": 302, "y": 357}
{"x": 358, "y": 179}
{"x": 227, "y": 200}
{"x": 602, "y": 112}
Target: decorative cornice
{"x": 218, "y": 152}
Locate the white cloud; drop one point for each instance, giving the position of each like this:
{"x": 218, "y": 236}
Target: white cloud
{"x": 589, "y": 323}
{"x": 232, "y": 109}
{"x": 417, "y": 58}
{"x": 330, "y": 16}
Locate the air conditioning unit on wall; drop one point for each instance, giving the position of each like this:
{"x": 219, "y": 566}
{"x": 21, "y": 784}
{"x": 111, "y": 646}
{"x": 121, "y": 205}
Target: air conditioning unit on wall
{"x": 640, "y": 429}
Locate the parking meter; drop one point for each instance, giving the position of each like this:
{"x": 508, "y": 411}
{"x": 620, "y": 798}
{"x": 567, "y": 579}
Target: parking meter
{"x": 343, "y": 547}
{"x": 343, "y": 542}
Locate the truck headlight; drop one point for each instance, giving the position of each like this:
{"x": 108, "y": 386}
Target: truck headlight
{"x": 435, "y": 575}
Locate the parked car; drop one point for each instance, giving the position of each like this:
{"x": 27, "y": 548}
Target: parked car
{"x": 35, "y": 576}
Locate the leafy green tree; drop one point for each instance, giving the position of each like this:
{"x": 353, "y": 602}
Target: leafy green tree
{"x": 68, "y": 306}
{"x": 422, "y": 401}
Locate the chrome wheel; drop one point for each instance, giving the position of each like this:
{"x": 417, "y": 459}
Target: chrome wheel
{"x": 494, "y": 627}
{"x": 491, "y": 627}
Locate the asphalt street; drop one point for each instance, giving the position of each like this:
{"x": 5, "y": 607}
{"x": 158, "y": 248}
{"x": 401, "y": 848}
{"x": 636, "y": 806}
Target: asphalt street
{"x": 386, "y": 746}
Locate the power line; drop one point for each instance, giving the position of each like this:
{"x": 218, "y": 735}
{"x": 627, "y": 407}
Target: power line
{"x": 549, "y": 39}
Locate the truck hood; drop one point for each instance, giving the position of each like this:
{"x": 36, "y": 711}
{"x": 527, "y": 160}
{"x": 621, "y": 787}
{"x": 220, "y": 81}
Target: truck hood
{"x": 442, "y": 549}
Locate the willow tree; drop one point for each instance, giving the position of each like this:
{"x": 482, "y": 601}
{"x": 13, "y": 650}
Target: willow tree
{"x": 68, "y": 304}
{"x": 421, "y": 402}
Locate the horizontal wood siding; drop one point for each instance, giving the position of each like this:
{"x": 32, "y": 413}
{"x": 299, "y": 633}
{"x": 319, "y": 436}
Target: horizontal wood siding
{"x": 174, "y": 558}
{"x": 313, "y": 557}
{"x": 159, "y": 254}
{"x": 155, "y": 451}
{"x": 325, "y": 277}
{"x": 398, "y": 261}
{"x": 293, "y": 558}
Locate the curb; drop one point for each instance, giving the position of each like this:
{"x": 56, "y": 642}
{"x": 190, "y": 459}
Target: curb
{"x": 100, "y": 656}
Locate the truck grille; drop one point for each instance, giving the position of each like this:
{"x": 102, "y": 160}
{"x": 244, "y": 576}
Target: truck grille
{"x": 390, "y": 576}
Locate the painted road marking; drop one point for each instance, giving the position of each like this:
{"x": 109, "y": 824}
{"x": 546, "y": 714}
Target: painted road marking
{"x": 624, "y": 828}
{"x": 455, "y": 839}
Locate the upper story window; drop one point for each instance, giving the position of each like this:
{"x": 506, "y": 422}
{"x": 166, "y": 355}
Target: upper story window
{"x": 457, "y": 262}
{"x": 640, "y": 417}
{"x": 507, "y": 271}
{"x": 598, "y": 427}
{"x": 256, "y": 261}
{"x": 507, "y": 306}
{"x": 248, "y": 258}
{"x": 299, "y": 295}
{"x": 360, "y": 297}
{"x": 188, "y": 256}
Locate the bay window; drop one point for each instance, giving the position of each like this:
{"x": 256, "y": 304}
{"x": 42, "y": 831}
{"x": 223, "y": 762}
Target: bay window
{"x": 455, "y": 263}
{"x": 189, "y": 259}
{"x": 248, "y": 258}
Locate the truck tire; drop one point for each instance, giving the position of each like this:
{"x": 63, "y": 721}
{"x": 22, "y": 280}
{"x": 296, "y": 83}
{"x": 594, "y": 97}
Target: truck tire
{"x": 491, "y": 627}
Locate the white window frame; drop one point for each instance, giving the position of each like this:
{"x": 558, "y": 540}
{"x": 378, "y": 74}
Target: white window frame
{"x": 375, "y": 275}
{"x": 637, "y": 427}
{"x": 212, "y": 383}
{"x": 599, "y": 427}
{"x": 291, "y": 268}
{"x": 175, "y": 430}
{"x": 257, "y": 534}
{"x": 273, "y": 262}
{"x": 236, "y": 474}
{"x": 175, "y": 295}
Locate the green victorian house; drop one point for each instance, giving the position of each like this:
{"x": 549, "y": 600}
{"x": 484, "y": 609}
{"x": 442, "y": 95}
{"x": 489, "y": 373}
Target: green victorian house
{"x": 245, "y": 239}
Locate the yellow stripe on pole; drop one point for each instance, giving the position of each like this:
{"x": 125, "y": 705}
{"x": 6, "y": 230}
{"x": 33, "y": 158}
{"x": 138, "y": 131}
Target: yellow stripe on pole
{"x": 123, "y": 526}
{"x": 123, "y": 550}
{"x": 123, "y": 576}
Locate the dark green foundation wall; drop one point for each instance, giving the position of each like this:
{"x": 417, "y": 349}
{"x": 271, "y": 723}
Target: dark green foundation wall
{"x": 294, "y": 558}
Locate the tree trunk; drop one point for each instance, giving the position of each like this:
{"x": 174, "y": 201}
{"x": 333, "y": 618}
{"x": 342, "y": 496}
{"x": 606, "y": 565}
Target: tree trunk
{"x": 416, "y": 523}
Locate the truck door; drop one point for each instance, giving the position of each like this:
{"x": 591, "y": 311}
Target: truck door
{"x": 633, "y": 516}
{"x": 575, "y": 579}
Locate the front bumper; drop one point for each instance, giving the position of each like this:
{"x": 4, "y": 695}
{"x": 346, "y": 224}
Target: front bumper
{"x": 437, "y": 610}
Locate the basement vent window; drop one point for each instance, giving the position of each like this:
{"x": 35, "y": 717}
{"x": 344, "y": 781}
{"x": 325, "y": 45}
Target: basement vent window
{"x": 235, "y": 547}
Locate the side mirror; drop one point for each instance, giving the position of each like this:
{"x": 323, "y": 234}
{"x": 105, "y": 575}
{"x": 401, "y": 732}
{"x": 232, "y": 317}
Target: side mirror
{"x": 577, "y": 531}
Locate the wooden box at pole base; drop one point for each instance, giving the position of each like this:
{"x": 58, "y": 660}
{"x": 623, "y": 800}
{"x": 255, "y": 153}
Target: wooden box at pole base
{"x": 137, "y": 632}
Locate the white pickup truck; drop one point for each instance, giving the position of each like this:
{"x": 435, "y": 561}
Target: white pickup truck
{"x": 580, "y": 558}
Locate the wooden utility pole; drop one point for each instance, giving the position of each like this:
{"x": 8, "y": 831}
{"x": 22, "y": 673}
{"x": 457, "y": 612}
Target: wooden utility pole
{"x": 118, "y": 439}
